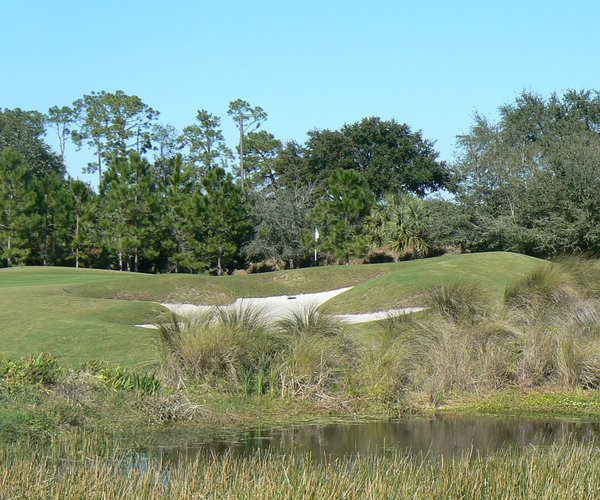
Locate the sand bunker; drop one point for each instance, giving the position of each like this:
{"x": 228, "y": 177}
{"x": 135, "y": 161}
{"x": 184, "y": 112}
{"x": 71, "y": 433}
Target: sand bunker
{"x": 284, "y": 306}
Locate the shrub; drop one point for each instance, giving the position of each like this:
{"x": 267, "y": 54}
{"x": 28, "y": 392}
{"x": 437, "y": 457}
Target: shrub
{"x": 550, "y": 285}
{"x": 43, "y": 370}
{"x": 459, "y": 300}
{"x": 225, "y": 344}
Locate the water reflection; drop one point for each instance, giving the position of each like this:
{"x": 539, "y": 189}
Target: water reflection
{"x": 445, "y": 436}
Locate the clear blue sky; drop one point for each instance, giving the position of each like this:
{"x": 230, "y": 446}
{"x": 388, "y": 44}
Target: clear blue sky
{"x": 309, "y": 64}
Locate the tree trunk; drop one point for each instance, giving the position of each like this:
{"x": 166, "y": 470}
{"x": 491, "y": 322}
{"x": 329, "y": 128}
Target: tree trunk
{"x": 8, "y": 259}
{"x": 135, "y": 260}
{"x": 241, "y": 127}
{"x": 120, "y": 254}
{"x": 99, "y": 166}
{"x": 219, "y": 268}
{"x": 77, "y": 240}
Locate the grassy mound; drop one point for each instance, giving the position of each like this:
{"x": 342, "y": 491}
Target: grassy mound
{"x": 83, "y": 314}
{"x": 406, "y": 282}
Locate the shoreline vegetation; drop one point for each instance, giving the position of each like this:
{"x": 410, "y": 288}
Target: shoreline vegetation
{"x": 532, "y": 351}
{"x": 555, "y": 472}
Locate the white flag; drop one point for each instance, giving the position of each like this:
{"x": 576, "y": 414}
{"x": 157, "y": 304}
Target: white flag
{"x": 316, "y": 234}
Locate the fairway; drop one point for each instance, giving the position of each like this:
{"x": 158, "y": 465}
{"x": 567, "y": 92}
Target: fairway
{"x": 83, "y": 314}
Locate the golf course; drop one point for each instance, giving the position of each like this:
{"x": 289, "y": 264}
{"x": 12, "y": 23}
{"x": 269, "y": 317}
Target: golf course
{"x": 503, "y": 353}
{"x": 84, "y": 314}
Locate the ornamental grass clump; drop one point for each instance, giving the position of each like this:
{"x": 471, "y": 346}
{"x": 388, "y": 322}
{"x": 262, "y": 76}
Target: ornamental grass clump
{"x": 379, "y": 369}
{"x": 548, "y": 286}
{"x": 221, "y": 345}
{"x": 545, "y": 334}
{"x": 584, "y": 270}
{"x": 557, "y": 317}
{"x": 315, "y": 354}
{"x": 459, "y": 301}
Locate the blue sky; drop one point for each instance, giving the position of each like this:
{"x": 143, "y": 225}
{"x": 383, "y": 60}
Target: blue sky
{"x": 309, "y": 64}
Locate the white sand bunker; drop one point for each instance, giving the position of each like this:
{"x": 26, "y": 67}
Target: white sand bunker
{"x": 284, "y": 306}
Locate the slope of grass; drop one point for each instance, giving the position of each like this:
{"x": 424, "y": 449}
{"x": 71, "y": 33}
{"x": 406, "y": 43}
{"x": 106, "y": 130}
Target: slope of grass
{"x": 205, "y": 289}
{"x": 39, "y": 312}
{"x": 404, "y": 285}
{"x": 81, "y": 314}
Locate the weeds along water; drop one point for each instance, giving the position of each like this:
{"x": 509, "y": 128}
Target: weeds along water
{"x": 79, "y": 470}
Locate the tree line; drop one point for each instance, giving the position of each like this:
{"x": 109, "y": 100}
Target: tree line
{"x": 186, "y": 201}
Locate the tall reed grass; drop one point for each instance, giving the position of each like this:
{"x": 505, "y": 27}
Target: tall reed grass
{"x": 545, "y": 333}
{"x": 81, "y": 471}
{"x": 300, "y": 356}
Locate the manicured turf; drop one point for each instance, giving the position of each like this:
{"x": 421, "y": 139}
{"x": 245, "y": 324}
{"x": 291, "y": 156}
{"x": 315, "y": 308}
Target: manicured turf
{"x": 405, "y": 284}
{"x": 81, "y": 314}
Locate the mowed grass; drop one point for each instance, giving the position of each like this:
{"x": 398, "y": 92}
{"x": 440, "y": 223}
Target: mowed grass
{"x": 39, "y": 312}
{"x": 83, "y": 314}
{"x": 404, "y": 285}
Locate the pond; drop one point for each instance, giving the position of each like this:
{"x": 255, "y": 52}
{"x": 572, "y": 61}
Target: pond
{"x": 445, "y": 436}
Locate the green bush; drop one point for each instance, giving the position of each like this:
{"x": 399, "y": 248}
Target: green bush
{"x": 459, "y": 300}
{"x": 42, "y": 370}
{"x": 120, "y": 379}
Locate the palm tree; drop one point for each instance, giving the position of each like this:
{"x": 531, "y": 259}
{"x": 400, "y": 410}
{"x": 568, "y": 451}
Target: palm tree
{"x": 399, "y": 222}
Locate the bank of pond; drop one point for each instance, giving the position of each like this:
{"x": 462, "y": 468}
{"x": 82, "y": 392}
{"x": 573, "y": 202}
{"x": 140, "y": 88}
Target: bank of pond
{"x": 433, "y": 457}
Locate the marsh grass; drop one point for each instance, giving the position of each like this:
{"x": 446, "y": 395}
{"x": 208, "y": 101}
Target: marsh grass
{"x": 548, "y": 286}
{"x": 87, "y": 469}
{"x": 224, "y": 344}
{"x": 546, "y": 333}
{"x": 310, "y": 321}
{"x": 459, "y": 300}
{"x": 301, "y": 356}
{"x": 314, "y": 357}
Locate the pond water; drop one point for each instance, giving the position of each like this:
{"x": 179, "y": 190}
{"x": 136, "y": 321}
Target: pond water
{"x": 442, "y": 436}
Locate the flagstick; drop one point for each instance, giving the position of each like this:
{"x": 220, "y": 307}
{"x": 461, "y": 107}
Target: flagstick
{"x": 316, "y": 238}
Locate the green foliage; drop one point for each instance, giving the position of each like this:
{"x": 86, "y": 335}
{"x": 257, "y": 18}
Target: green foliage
{"x": 247, "y": 119}
{"x": 121, "y": 379}
{"x": 42, "y": 370}
{"x": 206, "y": 144}
{"x": 225, "y": 222}
{"x": 260, "y": 154}
{"x": 113, "y": 124}
{"x": 389, "y": 155}
{"x": 526, "y": 183}
{"x": 281, "y": 222}
{"x": 23, "y": 131}
{"x": 339, "y": 215}
{"x": 529, "y": 182}
{"x": 399, "y": 222}
{"x": 128, "y": 209}
{"x": 19, "y": 220}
